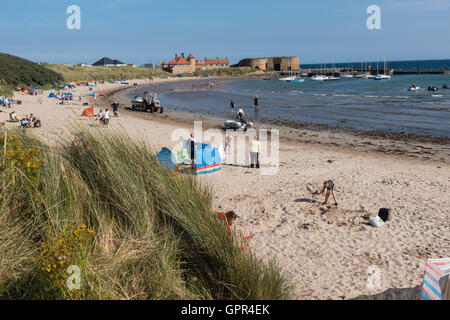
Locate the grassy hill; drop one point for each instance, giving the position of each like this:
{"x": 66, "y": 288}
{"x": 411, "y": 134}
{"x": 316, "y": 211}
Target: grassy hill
{"x": 16, "y": 72}
{"x": 133, "y": 229}
{"x": 221, "y": 72}
{"x": 70, "y": 74}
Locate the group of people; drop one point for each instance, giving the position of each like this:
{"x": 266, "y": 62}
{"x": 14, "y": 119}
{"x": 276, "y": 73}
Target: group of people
{"x": 241, "y": 112}
{"x": 103, "y": 116}
{"x": 29, "y": 121}
{"x": 6, "y": 102}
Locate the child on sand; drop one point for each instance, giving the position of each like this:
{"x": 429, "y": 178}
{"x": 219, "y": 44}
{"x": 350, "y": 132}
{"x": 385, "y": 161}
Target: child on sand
{"x": 99, "y": 116}
{"x": 227, "y": 218}
{"x": 329, "y": 187}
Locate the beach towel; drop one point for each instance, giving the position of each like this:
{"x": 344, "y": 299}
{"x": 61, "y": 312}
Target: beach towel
{"x": 436, "y": 282}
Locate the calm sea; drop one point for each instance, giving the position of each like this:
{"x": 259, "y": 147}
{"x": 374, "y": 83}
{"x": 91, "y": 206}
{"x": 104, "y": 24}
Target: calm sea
{"x": 364, "y": 104}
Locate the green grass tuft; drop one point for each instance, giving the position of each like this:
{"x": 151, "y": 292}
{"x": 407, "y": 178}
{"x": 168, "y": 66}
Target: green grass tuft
{"x": 155, "y": 233}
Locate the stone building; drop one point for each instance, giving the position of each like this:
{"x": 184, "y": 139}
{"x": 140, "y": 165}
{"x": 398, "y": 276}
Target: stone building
{"x": 271, "y": 64}
{"x": 182, "y": 65}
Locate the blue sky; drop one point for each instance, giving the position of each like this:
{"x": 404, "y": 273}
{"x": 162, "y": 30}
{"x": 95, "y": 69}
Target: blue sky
{"x": 138, "y": 31}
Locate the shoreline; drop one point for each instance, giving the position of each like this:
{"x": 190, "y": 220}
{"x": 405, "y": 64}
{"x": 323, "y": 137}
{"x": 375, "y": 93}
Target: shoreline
{"x": 411, "y": 146}
{"x": 392, "y": 135}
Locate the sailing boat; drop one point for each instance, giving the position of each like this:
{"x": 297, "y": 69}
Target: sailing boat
{"x": 383, "y": 76}
{"x": 332, "y": 77}
{"x": 366, "y": 74}
{"x": 324, "y": 77}
{"x": 291, "y": 77}
{"x": 320, "y": 77}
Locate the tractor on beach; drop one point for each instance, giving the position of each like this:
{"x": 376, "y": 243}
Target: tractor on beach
{"x": 148, "y": 102}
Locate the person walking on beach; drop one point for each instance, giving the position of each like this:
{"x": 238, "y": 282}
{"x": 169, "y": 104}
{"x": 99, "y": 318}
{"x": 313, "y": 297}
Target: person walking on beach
{"x": 255, "y": 150}
{"x": 115, "y": 106}
{"x": 228, "y": 140}
{"x": 329, "y": 187}
{"x": 192, "y": 144}
{"x": 256, "y": 101}
{"x": 232, "y": 107}
{"x": 106, "y": 117}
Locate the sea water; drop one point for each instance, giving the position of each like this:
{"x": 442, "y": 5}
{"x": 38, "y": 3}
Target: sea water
{"x": 361, "y": 104}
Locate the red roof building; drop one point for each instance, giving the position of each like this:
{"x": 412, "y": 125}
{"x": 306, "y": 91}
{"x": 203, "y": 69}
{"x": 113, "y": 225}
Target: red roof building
{"x": 182, "y": 65}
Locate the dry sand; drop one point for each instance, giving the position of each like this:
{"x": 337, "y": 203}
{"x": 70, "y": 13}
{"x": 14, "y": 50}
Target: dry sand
{"x": 328, "y": 254}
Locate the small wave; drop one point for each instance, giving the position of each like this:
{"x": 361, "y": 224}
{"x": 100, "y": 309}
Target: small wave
{"x": 369, "y": 96}
{"x": 343, "y": 95}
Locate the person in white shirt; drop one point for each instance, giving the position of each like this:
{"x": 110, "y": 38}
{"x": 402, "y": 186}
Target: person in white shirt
{"x": 106, "y": 117}
{"x": 255, "y": 150}
{"x": 241, "y": 114}
{"x": 228, "y": 140}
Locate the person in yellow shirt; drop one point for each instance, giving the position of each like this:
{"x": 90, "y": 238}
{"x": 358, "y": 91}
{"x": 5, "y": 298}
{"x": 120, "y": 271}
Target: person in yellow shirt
{"x": 255, "y": 150}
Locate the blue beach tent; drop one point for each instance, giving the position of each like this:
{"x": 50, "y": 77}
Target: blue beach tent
{"x": 166, "y": 158}
{"x": 52, "y": 95}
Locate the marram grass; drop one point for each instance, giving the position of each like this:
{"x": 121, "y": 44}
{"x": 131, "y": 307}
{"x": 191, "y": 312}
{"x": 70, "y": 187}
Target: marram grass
{"x": 101, "y": 202}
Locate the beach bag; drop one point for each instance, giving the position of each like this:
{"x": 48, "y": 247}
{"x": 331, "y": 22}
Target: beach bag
{"x": 384, "y": 214}
{"x": 376, "y": 221}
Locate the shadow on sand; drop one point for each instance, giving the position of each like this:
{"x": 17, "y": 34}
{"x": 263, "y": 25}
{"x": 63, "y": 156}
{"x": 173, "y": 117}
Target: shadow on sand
{"x": 306, "y": 200}
{"x": 395, "y": 294}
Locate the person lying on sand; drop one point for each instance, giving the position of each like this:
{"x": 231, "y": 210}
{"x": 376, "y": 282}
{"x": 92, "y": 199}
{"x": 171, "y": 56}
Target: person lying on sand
{"x": 227, "y": 218}
{"x": 329, "y": 187}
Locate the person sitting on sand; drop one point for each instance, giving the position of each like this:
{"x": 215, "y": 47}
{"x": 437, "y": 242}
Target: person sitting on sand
{"x": 25, "y": 123}
{"x": 227, "y": 218}
{"x": 36, "y": 122}
{"x": 13, "y": 117}
{"x": 330, "y": 188}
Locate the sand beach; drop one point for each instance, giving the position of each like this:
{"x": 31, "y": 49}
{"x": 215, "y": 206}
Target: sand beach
{"x": 327, "y": 253}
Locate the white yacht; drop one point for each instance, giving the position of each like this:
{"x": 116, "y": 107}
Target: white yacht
{"x": 383, "y": 76}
